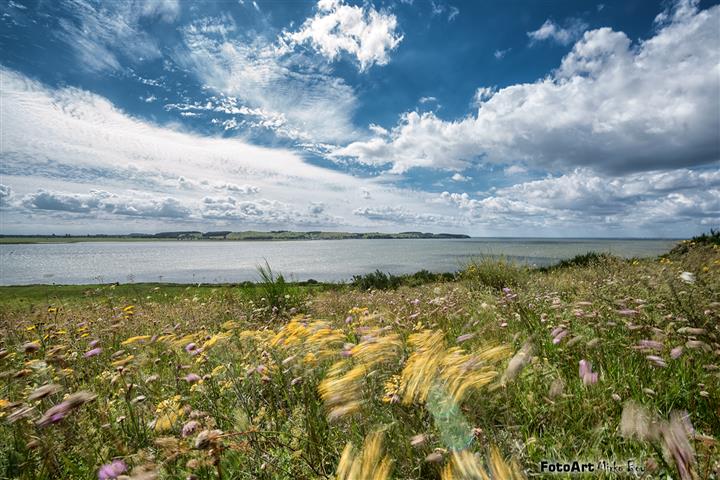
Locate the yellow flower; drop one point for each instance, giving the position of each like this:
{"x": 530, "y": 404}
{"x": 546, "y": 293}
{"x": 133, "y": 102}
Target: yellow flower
{"x": 215, "y": 339}
{"x": 368, "y": 464}
{"x": 123, "y": 361}
{"x": 219, "y": 370}
{"x": 139, "y": 338}
{"x": 358, "y": 311}
{"x": 229, "y": 325}
{"x": 310, "y": 358}
{"x": 465, "y": 464}
{"x": 393, "y": 387}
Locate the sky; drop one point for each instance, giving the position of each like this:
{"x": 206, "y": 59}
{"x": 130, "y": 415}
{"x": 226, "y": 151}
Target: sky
{"x": 514, "y": 118}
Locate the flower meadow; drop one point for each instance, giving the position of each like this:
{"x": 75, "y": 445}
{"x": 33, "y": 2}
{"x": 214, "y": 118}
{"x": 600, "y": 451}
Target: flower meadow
{"x": 482, "y": 376}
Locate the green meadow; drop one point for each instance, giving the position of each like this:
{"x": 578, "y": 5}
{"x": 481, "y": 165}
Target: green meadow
{"x": 486, "y": 373}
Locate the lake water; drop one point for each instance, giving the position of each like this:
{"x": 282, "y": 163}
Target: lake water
{"x": 323, "y": 260}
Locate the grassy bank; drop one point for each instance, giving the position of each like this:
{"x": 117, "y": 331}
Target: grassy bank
{"x": 493, "y": 371}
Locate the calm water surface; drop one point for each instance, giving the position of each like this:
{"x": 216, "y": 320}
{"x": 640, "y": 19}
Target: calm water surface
{"x": 324, "y": 260}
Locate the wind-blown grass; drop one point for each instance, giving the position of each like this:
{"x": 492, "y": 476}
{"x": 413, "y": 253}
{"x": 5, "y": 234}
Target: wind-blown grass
{"x": 487, "y": 374}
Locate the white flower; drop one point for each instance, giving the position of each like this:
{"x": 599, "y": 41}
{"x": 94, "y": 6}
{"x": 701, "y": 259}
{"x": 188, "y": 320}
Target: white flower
{"x": 687, "y": 277}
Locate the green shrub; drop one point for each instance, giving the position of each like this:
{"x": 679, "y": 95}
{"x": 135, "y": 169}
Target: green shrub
{"x": 494, "y": 273}
{"x": 273, "y": 291}
{"x": 583, "y": 260}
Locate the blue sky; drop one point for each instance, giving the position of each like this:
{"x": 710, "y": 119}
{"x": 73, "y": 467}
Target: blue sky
{"x": 489, "y": 118}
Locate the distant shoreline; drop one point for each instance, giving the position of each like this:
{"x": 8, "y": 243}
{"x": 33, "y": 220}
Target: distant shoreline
{"x": 225, "y": 236}
{"x": 253, "y": 236}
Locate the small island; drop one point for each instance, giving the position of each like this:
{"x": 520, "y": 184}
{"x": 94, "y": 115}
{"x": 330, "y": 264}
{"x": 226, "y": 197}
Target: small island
{"x": 249, "y": 235}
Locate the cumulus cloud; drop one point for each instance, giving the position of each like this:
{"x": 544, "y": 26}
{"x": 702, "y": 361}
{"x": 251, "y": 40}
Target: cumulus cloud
{"x": 6, "y": 194}
{"x": 683, "y": 196}
{"x": 610, "y": 105}
{"x": 239, "y": 189}
{"x": 365, "y": 33}
{"x": 98, "y": 202}
{"x": 98, "y": 32}
{"x": 562, "y": 35}
{"x": 399, "y": 215}
{"x": 266, "y": 212}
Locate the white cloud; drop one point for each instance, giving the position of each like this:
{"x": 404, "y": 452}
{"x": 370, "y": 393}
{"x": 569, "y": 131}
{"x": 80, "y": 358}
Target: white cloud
{"x": 239, "y": 189}
{"x": 100, "y": 202}
{"x": 515, "y": 170}
{"x": 582, "y": 197}
{"x": 552, "y": 31}
{"x": 69, "y": 155}
{"x": 102, "y": 31}
{"x": 500, "y": 54}
{"x": 611, "y": 105}
{"x": 457, "y": 177}
{"x": 400, "y": 215}
{"x": 287, "y": 92}
{"x": 365, "y": 33}
{"x": 6, "y": 194}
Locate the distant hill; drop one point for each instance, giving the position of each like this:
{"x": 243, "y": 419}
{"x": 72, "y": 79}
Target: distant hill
{"x": 226, "y": 235}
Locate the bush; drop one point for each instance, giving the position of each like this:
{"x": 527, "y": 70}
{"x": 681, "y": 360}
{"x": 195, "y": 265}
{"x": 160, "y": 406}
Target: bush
{"x": 379, "y": 280}
{"x": 712, "y": 238}
{"x": 494, "y": 273}
{"x": 273, "y": 291}
{"x": 583, "y": 260}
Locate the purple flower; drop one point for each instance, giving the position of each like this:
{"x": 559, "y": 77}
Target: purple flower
{"x": 93, "y": 344}
{"x": 192, "y": 378}
{"x": 558, "y": 338}
{"x": 189, "y": 428}
{"x": 57, "y": 412}
{"x": 555, "y": 331}
{"x": 465, "y": 337}
{"x": 112, "y": 470}
{"x": 190, "y": 347}
{"x": 676, "y": 352}
{"x": 657, "y": 361}
{"x": 650, "y": 344}
{"x": 93, "y": 352}
{"x": 586, "y": 374}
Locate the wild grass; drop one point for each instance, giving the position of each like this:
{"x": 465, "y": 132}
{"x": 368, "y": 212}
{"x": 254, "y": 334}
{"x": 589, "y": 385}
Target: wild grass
{"x": 488, "y": 374}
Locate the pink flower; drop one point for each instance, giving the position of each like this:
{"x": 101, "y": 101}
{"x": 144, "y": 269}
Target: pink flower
{"x": 586, "y": 374}
{"x": 676, "y": 352}
{"x": 192, "y": 378}
{"x": 112, "y": 470}
{"x": 627, "y": 312}
{"x": 93, "y": 344}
